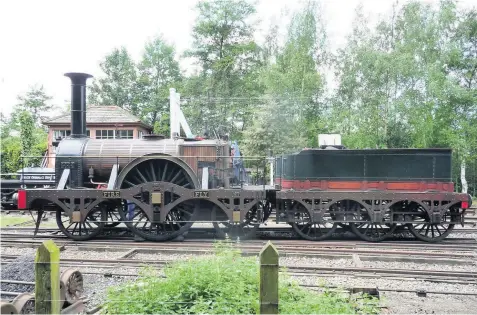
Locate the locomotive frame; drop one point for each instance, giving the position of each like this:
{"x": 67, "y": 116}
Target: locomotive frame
{"x": 158, "y": 197}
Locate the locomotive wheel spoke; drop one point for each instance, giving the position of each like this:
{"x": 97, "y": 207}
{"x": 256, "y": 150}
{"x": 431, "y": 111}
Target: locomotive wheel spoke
{"x": 426, "y": 231}
{"x": 313, "y": 231}
{"x": 371, "y": 231}
{"x": 82, "y": 231}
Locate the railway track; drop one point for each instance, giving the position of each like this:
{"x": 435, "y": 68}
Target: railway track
{"x": 266, "y": 232}
{"x": 461, "y": 277}
{"x": 449, "y": 254}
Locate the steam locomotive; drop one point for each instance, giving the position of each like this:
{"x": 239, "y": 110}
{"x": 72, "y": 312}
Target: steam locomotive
{"x": 158, "y": 187}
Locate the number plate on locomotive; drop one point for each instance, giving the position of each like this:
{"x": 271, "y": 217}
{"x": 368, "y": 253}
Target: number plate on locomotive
{"x": 201, "y": 194}
{"x": 111, "y": 194}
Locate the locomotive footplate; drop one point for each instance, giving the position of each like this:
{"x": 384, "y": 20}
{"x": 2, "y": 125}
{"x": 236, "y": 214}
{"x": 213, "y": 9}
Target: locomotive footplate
{"x": 156, "y": 199}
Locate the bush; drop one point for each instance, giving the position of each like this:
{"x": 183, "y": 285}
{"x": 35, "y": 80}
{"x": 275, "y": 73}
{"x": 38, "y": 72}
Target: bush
{"x": 225, "y": 283}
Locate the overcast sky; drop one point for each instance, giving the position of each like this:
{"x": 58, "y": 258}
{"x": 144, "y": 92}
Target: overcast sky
{"x": 40, "y": 40}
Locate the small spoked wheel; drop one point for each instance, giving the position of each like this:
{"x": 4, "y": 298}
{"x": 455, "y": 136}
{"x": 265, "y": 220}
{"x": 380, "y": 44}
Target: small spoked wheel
{"x": 427, "y": 232}
{"x": 81, "y": 231}
{"x": 313, "y": 231}
{"x": 247, "y": 229}
{"x": 178, "y": 221}
{"x": 371, "y": 231}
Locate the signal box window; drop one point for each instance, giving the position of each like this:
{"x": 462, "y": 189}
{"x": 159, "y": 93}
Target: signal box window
{"x": 104, "y": 134}
{"x": 124, "y": 134}
{"x": 61, "y": 134}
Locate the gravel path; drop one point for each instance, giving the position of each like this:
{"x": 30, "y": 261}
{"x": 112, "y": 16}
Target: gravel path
{"x": 408, "y": 303}
{"x": 162, "y": 256}
{"x": 319, "y": 262}
{"x": 17, "y": 251}
{"x": 71, "y": 253}
{"x": 20, "y": 269}
{"x": 420, "y": 266}
{"x": 462, "y": 235}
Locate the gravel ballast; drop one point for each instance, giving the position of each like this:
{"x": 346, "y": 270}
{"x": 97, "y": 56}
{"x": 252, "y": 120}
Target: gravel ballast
{"x": 20, "y": 269}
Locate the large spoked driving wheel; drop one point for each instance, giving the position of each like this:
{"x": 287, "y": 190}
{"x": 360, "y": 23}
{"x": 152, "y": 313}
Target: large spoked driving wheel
{"x": 178, "y": 221}
{"x": 92, "y": 226}
{"x": 157, "y": 170}
{"x": 313, "y": 231}
{"x": 371, "y": 231}
{"x": 427, "y": 232}
{"x": 166, "y": 169}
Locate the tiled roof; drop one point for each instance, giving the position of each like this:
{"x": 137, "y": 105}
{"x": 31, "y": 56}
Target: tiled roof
{"x": 99, "y": 115}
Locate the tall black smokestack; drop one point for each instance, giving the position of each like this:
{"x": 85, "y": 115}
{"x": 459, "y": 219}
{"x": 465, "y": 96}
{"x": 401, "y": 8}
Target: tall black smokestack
{"x": 78, "y": 103}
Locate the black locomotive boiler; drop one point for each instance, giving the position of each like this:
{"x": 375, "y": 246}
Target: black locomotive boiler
{"x": 159, "y": 187}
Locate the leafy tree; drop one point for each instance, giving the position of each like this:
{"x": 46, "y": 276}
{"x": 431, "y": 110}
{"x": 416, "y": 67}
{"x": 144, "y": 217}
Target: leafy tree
{"x": 158, "y": 72}
{"x": 229, "y": 58}
{"x": 461, "y": 109}
{"x": 26, "y": 131}
{"x": 21, "y": 133}
{"x": 290, "y": 117}
{"x": 118, "y": 87}
{"x": 35, "y": 101}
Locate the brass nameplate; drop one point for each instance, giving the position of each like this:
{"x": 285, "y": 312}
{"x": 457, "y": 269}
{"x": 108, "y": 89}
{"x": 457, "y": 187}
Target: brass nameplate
{"x": 111, "y": 194}
{"x": 201, "y": 194}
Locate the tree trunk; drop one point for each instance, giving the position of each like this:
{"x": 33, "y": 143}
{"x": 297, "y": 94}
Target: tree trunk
{"x": 462, "y": 176}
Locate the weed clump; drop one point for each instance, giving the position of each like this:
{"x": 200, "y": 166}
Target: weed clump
{"x": 225, "y": 283}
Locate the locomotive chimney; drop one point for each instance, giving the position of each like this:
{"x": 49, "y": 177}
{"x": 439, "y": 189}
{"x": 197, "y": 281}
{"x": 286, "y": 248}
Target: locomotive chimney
{"x": 78, "y": 103}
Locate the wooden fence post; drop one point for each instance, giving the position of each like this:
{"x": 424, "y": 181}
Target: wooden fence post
{"x": 47, "y": 279}
{"x": 269, "y": 279}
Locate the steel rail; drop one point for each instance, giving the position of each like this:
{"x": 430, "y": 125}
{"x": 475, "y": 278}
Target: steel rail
{"x": 307, "y": 270}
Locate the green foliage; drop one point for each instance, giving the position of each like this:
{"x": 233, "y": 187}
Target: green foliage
{"x": 162, "y": 127}
{"x": 21, "y": 134}
{"x": 118, "y": 85}
{"x": 225, "y": 283}
{"x": 219, "y": 95}
{"x": 10, "y": 154}
{"x": 35, "y": 101}
{"x": 26, "y": 132}
{"x": 158, "y": 72}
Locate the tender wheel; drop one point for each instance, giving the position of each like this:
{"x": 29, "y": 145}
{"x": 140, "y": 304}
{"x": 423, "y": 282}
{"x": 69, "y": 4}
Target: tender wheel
{"x": 313, "y": 231}
{"x": 81, "y": 231}
{"x": 371, "y": 231}
{"x": 178, "y": 221}
{"x": 427, "y": 232}
{"x": 246, "y": 229}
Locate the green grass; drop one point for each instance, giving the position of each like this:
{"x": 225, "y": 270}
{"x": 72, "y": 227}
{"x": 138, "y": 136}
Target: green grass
{"x": 6, "y": 220}
{"x": 225, "y": 283}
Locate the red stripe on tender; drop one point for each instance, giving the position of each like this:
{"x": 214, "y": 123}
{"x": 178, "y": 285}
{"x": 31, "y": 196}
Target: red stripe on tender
{"x": 365, "y": 185}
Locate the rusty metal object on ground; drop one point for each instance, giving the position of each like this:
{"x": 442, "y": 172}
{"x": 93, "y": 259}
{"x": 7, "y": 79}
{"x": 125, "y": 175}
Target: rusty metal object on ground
{"x": 75, "y": 308}
{"x": 7, "y": 308}
{"x": 73, "y": 284}
{"x": 25, "y": 303}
